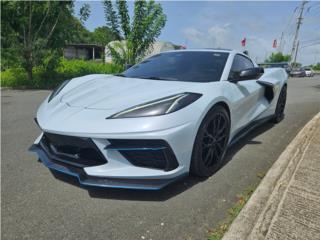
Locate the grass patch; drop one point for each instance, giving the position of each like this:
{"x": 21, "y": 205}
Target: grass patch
{"x": 45, "y": 79}
{"x": 218, "y": 232}
{"x": 261, "y": 175}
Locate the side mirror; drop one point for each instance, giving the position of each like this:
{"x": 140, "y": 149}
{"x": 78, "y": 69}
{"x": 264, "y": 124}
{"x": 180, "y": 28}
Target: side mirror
{"x": 251, "y": 73}
{"x": 127, "y": 66}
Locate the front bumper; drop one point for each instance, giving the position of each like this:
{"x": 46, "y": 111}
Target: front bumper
{"x": 118, "y": 171}
{"x": 177, "y": 130}
{"x": 94, "y": 181}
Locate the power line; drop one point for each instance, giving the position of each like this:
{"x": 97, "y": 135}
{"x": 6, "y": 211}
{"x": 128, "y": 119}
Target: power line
{"x": 285, "y": 30}
{"x": 310, "y": 45}
{"x": 290, "y": 20}
{"x": 310, "y": 40}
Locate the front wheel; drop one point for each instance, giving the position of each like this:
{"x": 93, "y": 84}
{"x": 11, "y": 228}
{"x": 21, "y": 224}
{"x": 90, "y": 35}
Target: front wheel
{"x": 281, "y": 104}
{"x": 211, "y": 142}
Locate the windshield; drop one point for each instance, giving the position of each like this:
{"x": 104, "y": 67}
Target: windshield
{"x": 186, "y": 66}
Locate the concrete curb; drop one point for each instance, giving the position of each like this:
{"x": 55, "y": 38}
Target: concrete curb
{"x": 255, "y": 218}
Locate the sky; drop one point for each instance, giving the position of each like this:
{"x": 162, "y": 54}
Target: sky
{"x": 213, "y": 24}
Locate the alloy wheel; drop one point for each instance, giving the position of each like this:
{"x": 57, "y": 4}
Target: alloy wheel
{"x": 214, "y": 140}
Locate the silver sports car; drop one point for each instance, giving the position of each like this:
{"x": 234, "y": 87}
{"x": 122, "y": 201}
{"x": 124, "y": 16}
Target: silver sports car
{"x": 173, "y": 114}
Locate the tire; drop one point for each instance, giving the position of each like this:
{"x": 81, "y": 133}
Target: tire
{"x": 208, "y": 151}
{"x": 281, "y": 104}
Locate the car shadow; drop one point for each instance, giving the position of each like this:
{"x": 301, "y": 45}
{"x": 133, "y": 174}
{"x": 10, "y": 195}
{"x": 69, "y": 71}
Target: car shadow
{"x": 246, "y": 140}
{"x": 170, "y": 190}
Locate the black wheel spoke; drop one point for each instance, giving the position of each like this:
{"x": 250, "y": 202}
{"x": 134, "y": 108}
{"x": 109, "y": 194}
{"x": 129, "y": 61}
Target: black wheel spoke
{"x": 218, "y": 124}
{"x": 218, "y": 145}
{"x": 221, "y": 138}
{"x": 213, "y": 157}
{"x": 221, "y": 130}
{"x": 208, "y": 156}
{"x": 208, "y": 135}
{"x": 205, "y": 145}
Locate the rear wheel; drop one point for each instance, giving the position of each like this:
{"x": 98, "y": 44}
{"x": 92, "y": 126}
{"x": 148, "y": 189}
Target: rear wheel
{"x": 281, "y": 104}
{"x": 211, "y": 142}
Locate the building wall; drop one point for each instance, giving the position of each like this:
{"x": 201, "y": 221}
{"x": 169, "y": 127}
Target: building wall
{"x": 83, "y": 52}
{"x": 73, "y": 52}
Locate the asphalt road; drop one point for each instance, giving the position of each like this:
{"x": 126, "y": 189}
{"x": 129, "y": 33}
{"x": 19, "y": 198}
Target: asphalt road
{"x": 37, "y": 205}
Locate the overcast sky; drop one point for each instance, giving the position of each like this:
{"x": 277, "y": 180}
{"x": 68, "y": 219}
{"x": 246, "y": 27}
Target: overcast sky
{"x": 224, "y": 24}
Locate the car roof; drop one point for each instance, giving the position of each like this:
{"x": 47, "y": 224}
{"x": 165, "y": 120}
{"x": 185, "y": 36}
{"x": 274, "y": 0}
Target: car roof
{"x": 276, "y": 63}
{"x": 203, "y": 50}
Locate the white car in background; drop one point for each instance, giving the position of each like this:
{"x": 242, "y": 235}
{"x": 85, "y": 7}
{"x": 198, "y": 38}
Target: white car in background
{"x": 309, "y": 72}
{"x": 173, "y": 114}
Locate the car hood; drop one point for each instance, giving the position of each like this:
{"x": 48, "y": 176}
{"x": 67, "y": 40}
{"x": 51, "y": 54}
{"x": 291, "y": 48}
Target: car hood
{"x": 118, "y": 93}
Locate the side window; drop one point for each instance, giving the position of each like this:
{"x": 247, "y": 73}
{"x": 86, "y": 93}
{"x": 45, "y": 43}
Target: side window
{"x": 239, "y": 63}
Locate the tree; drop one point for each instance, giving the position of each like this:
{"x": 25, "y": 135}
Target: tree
{"x": 36, "y": 31}
{"x": 316, "y": 67}
{"x": 111, "y": 18}
{"x": 278, "y": 57}
{"x": 77, "y": 33}
{"x": 103, "y": 35}
{"x": 84, "y": 12}
{"x": 139, "y": 34}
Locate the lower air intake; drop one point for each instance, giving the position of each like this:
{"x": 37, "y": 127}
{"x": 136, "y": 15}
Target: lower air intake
{"x": 146, "y": 153}
{"x": 75, "y": 151}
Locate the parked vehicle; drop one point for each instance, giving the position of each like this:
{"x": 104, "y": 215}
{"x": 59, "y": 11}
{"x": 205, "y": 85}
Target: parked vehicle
{"x": 283, "y": 65}
{"x": 173, "y": 114}
{"x": 298, "y": 72}
{"x": 308, "y": 72}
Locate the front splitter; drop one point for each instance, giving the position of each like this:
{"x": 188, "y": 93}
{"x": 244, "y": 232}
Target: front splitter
{"x": 92, "y": 181}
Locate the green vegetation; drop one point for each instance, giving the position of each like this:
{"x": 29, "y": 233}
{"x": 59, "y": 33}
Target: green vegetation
{"x": 65, "y": 69}
{"x": 316, "y": 67}
{"x": 84, "y": 12}
{"x": 139, "y": 34}
{"x": 278, "y": 57}
{"x": 242, "y": 199}
{"x": 34, "y": 33}
{"x": 103, "y": 35}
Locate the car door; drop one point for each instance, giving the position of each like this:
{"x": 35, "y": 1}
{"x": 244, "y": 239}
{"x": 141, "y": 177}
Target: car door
{"x": 245, "y": 93}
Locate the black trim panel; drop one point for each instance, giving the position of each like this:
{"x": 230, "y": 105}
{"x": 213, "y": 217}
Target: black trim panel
{"x": 248, "y": 128}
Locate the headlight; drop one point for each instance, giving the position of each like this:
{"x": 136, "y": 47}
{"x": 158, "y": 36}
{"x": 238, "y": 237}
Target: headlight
{"x": 159, "y": 107}
{"x": 56, "y": 91}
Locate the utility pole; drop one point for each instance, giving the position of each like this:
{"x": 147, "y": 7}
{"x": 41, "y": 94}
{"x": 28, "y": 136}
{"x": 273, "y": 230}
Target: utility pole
{"x": 296, "y": 53}
{"x": 295, "y": 40}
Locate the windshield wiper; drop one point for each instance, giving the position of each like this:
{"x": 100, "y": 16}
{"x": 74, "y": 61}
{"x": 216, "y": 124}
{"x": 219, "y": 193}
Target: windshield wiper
{"x": 120, "y": 75}
{"x": 159, "y": 78}
{"x": 148, "y": 77}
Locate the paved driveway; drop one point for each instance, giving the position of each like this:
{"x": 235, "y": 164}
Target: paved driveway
{"x": 36, "y": 205}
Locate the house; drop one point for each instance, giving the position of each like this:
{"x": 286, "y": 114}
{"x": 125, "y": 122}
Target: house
{"x": 83, "y": 51}
{"x": 157, "y": 47}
